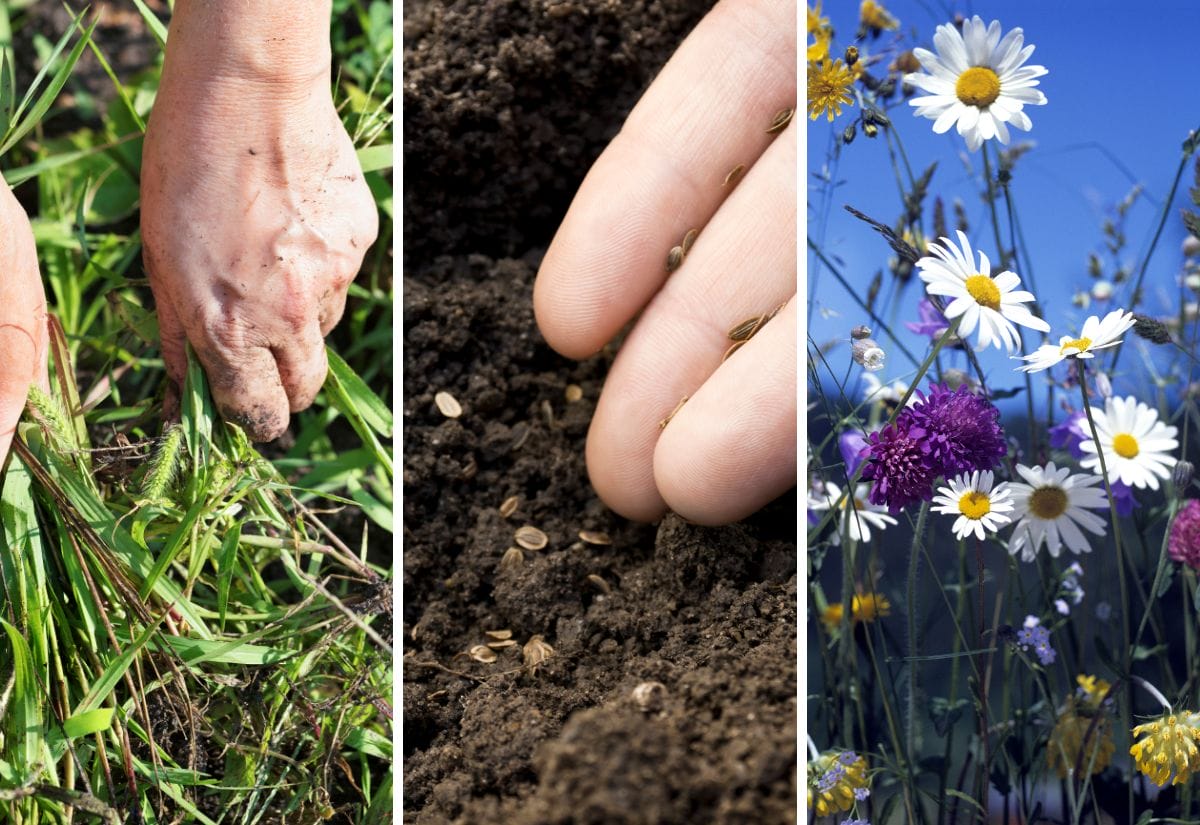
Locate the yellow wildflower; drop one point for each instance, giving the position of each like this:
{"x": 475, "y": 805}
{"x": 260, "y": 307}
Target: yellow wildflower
{"x": 1092, "y": 690}
{"x": 819, "y": 49}
{"x": 865, "y": 607}
{"x": 828, "y": 88}
{"x": 818, "y": 27}
{"x": 1067, "y": 747}
{"x": 815, "y": 20}
{"x": 833, "y": 777}
{"x": 875, "y": 18}
{"x": 1168, "y": 748}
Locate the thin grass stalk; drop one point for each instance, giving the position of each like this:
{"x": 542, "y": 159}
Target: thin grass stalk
{"x": 1126, "y": 701}
{"x": 910, "y": 732}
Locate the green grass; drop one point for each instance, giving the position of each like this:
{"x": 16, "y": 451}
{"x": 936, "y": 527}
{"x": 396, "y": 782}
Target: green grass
{"x": 193, "y": 630}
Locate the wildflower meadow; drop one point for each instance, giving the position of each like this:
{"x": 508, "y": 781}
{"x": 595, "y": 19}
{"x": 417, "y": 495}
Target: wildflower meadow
{"x": 1003, "y": 373}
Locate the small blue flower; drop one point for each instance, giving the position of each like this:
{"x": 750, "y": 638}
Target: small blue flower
{"x": 861, "y": 793}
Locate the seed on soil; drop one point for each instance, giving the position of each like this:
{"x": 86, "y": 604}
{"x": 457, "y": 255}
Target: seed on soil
{"x": 548, "y": 413}
{"x": 594, "y": 537}
{"x": 531, "y": 538}
{"x": 674, "y": 258}
{"x": 734, "y": 175}
{"x": 498, "y": 634}
{"x": 573, "y": 393}
{"x": 502, "y": 644}
{"x": 782, "y": 118}
{"x": 662, "y": 425}
{"x": 599, "y": 583}
{"x": 482, "y": 653}
{"x": 447, "y": 404}
{"x": 688, "y": 240}
{"x": 520, "y": 433}
{"x": 513, "y": 557}
{"x": 535, "y": 652}
{"x": 649, "y": 696}
{"x": 509, "y": 506}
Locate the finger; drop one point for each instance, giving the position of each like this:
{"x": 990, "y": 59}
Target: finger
{"x": 246, "y": 387}
{"x": 732, "y": 448}
{"x": 743, "y": 266}
{"x": 332, "y": 307}
{"x": 663, "y": 174}
{"x": 302, "y": 365}
{"x": 172, "y": 335}
{"x": 22, "y": 361}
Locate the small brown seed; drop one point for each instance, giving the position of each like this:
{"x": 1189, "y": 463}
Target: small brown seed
{"x": 513, "y": 557}
{"x": 737, "y": 345}
{"x": 688, "y": 240}
{"x": 594, "y": 537}
{"x": 782, "y": 118}
{"x": 509, "y": 506}
{"x": 535, "y": 652}
{"x": 674, "y": 258}
{"x": 573, "y": 393}
{"x": 734, "y": 175}
{"x": 663, "y": 424}
{"x": 498, "y": 634}
{"x": 531, "y": 538}
{"x": 649, "y": 696}
{"x": 548, "y": 413}
{"x": 447, "y": 404}
{"x": 503, "y": 643}
{"x": 482, "y": 653}
{"x": 746, "y": 329}
{"x": 599, "y": 583}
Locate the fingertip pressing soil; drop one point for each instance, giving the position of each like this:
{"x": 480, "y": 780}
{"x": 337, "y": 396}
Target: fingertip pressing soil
{"x": 506, "y": 106}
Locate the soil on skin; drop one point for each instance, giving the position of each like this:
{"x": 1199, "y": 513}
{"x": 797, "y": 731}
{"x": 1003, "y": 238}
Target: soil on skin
{"x": 506, "y": 105}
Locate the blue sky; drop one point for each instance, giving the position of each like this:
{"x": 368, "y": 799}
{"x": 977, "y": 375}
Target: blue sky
{"x": 1122, "y": 91}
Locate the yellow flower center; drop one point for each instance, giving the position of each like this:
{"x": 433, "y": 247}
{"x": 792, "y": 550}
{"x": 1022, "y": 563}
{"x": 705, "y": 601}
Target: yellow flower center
{"x": 1125, "y": 445}
{"x": 1048, "y": 502}
{"x": 1079, "y": 344}
{"x": 978, "y": 86}
{"x": 974, "y": 505}
{"x": 984, "y": 290}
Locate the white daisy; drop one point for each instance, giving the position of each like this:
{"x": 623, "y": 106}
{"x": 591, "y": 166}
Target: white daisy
{"x": 983, "y": 301}
{"x": 865, "y": 516}
{"x": 1096, "y": 334}
{"x": 979, "y": 506}
{"x": 1052, "y": 507}
{"x": 1136, "y": 444}
{"x": 977, "y": 81}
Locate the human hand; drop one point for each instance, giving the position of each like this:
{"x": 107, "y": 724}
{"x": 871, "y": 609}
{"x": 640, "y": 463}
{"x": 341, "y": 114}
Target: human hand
{"x": 24, "y": 339}
{"x": 255, "y": 219}
{"x": 731, "y": 447}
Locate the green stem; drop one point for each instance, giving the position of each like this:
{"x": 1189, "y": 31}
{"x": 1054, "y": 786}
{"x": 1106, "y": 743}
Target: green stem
{"x": 1126, "y": 699}
{"x": 913, "y": 646}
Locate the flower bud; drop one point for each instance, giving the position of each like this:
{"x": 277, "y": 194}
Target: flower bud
{"x": 860, "y": 332}
{"x": 1103, "y": 385}
{"x": 1182, "y": 476}
{"x": 1152, "y": 330}
{"x": 868, "y": 354}
{"x": 1191, "y": 246}
{"x": 1102, "y": 291}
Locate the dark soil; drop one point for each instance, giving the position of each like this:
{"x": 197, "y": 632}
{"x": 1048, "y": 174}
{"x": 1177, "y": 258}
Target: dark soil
{"x": 506, "y": 105}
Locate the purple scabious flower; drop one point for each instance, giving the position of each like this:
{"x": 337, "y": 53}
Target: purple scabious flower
{"x": 1072, "y": 432}
{"x": 932, "y": 322}
{"x": 900, "y": 465}
{"x": 1184, "y": 542}
{"x": 852, "y": 445}
{"x": 963, "y": 430}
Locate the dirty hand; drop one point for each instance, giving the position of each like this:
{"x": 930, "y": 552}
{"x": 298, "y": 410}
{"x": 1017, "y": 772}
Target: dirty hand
{"x": 255, "y": 214}
{"x": 24, "y": 338}
{"x": 731, "y": 447}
